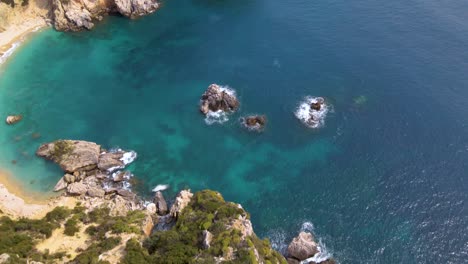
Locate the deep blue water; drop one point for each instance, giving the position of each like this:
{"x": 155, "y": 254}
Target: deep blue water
{"x": 385, "y": 181}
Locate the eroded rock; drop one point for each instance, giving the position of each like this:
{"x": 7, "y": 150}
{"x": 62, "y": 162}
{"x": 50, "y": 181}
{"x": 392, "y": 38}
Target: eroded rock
{"x": 71, "y": 155}
{"x": 160, "y": 202}
{"x": 76, "y": 188}
{"x": 13, "y": 119}
{"x": 303, "y": 246}
{"x": 217, "y": 98}
{"x": 61, "y": 185}
{"x": 254, "y": 122}
{"x": 181, "y": 201}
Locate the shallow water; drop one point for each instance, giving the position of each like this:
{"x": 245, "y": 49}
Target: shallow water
{"x": 384, "y": 181}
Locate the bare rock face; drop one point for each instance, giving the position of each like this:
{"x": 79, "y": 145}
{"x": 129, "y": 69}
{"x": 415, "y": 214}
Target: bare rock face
{"x": 76, "y": 188}
{"x": 111, "y": 160}
{"x": 76, "y": 15}
{"x": 303, "y": 246}
{"x": 147, "y": 225}
{"x": 181, "y": 201}
{"x": 216, "y": 98}
{"x": 71, "y": 155}
{"x": 95, "y": 192}
{"x": 243, "y": 224}
{"x": 61, "y": 185}
{"x": 161, "y": 205}
{"x": 136, "y": 8}
{"x": 10, "y": 120}
{"x": 207, "y": 238}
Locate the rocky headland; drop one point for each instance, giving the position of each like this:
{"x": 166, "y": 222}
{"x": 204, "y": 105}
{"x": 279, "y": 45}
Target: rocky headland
{"x": 108, "y": 223}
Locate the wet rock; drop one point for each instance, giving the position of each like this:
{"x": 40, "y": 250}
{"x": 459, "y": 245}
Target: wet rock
{"x": 13, "y": 119}
{"x": 255, "y": 122}
{"x": 76, "y": 188}
{"x": 303, "y": 246}
{"x": 207, "y": 238}
{"x": 111, "y": 161}
{"x": 71, "y": 155}
{"x": 161, "y": 205}
{"x": 68, "y": 178}
{"x": 126, "y": 194}
{"x": 95, "y": 192}
{"x": 4, "y": 258}
{"x": 215, "y": 98}
{"x": 121, "y": 176}
{"x": 181, "y": 201}
{"x": 61, "y": 185}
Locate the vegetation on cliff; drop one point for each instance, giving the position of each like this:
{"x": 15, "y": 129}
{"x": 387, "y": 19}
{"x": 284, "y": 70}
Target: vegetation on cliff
{"x": 207, "y": 230}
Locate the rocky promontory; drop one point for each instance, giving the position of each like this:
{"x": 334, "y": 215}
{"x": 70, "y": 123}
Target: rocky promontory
{"x": 75, "y": 15}
{"x": 218, "y": 98}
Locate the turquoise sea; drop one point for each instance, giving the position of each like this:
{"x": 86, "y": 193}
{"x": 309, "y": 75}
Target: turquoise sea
{"x": 384, "y": 181}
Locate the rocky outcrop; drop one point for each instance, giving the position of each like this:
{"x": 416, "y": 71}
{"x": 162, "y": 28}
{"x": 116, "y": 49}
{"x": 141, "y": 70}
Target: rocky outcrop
{"x": 181, "y": 201}
{"x": 75, "y": 15}
{"x": 13, "y": 119}
{"x": 303, "y": 246}
{"x": 89, "y": 168}
{"x": 4, "y": 258}
{"x": 207, "y": 238}
{"x": 254, "y": 122}
{"x": 303, "y": 249}
{"x": 160, "y": 203}
{"x": 218, "y": 98}
{"x": 71, "y": 155}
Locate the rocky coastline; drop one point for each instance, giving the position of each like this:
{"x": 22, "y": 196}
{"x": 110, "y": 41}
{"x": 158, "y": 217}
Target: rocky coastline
{"x": 173, "y": 230}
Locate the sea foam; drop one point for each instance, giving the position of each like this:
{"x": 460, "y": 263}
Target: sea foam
{"x": 160, "y": 187}
{"x": 308, "y": 116}
{"x": 9, "y": 52}
{"x": 219, "y": 116}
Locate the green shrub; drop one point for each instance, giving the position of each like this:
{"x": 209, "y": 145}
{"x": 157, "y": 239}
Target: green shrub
{"x": 59, "y": 214}
{"x": 71, "y": 227}
{"x": 135, "y": 253}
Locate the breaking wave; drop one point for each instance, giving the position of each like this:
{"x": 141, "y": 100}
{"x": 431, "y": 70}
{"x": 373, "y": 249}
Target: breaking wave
{"x": 310, "y": 117}
{"x": 219, "y": 117}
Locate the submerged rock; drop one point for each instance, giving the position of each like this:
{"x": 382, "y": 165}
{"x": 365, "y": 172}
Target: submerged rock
{"x": 303, "y": 246}
{"x": 218, "y": 98}
{"x": 13, "y": 119}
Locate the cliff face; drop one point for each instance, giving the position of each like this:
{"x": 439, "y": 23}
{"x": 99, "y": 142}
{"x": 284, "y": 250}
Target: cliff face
{"x": 75, "y": 15}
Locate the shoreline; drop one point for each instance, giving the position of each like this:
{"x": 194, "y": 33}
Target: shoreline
{"x": 16, "y": 203}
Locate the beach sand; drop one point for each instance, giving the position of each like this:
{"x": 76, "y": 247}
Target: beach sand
{"x": 16, "y": 202}
{"x": 16, "y": 23}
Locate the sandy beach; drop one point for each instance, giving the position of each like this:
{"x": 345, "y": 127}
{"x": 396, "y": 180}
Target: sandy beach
{"x": 16, "y": 24}
{"x": 16, "y": 202}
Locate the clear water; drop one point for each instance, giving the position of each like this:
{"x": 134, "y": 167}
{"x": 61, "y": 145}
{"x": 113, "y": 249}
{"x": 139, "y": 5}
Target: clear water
{"x": 383, "y": 182}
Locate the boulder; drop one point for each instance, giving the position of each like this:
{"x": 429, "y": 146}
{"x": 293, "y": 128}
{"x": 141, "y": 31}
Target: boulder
{"x": 161, "y": 205}
{"x": 76, "y": 188}
{"x": 13, "y": 119}
{"x": 151, "y": 209}
{"x": 215, "y": 98}
{"x": 121, "y": 176}
{"x": 71, "y": 155}
{"x": 181, "y": 201}
{"x": 136, "y": 8}
{"x": 111, "y": 161}
{"x": 255, "y": 122}
{"x": 61, "y": 184}
{"x": 293, "y": 261}
{"x": 68, "y": 178}
{"x": 126, "y": 194}
{"x": 4, "y": 258}
{"x": 95, "y": 192}
{"x": 207, "y": 238}
{"x": 303, "y": 246}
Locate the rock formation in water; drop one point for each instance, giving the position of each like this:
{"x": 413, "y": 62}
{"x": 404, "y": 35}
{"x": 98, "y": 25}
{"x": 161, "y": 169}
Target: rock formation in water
{"x": 75, "y": 15}
{"x": 254, "y": 122}
{"x": 217, "y": 98}
{"x": 303, "y": 248}
{"x": 13, "y": 119}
